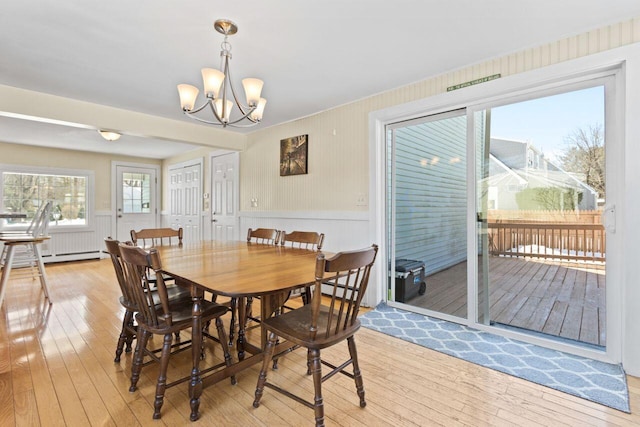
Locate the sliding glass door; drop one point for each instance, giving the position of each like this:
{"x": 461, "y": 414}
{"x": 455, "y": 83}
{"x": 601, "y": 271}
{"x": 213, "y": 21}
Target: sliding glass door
{"x": 541, "y": 179}
{"x": 517, "y": 240}
{"x": 427, "y": 202}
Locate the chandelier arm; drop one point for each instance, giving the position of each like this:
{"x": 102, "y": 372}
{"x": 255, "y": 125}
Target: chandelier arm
{"x": 246, "y": 116}
{"x": 209, "y": 102}
{"x": 209, "y": 122}
{"x": 231, "y": 124}
{"x": 233, "y": 92}
{"x": 197, "y": 110}
{"x": 244, "y": 126}
{"x": 226, "y": 82}
{"x": 215, "y": 113}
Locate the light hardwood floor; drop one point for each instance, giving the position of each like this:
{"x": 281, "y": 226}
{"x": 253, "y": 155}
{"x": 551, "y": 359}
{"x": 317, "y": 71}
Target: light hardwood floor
{"x": 56, "y": 368}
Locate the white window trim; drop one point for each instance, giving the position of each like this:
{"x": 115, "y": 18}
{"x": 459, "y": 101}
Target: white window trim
{"x": 89, "y": 175}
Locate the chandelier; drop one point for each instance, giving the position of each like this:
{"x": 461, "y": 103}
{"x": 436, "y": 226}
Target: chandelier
{"x": 219, "y": 90}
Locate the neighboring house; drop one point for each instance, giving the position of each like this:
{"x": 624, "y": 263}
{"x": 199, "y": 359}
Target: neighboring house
{"x": 516, "y": 167}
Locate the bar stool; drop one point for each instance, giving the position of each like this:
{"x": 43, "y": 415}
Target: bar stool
{"x": 22, "y": 254}
{"x": 30, "y": 258}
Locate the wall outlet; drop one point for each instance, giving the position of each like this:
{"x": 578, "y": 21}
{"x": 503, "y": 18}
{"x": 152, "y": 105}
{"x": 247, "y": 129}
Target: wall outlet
{"x": 361, "y": 199}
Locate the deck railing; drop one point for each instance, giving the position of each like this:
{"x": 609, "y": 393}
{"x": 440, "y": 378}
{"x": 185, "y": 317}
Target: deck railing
{"x": 549, "y": 241}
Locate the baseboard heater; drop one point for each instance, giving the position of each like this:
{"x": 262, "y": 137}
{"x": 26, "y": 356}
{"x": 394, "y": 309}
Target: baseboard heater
{"x": 75, "y": 256}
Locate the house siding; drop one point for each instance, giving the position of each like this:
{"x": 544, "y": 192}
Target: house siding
{"x": 430, "y": 193}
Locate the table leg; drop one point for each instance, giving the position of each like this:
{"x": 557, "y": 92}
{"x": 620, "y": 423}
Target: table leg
{"x": 265, "y": 301}
{"x": 6, "y": 270}
{"x": 242, "y": 322}
{"x": 195, "y": 385}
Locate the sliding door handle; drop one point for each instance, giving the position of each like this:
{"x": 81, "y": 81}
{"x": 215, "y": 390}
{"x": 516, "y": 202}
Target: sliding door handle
{"x": 608, "y": 218}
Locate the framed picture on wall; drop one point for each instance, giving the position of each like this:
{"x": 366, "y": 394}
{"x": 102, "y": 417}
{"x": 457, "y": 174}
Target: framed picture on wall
{"x": 293, "y": 155}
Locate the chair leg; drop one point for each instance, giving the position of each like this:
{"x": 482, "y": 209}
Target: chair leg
{"x": 356, "y": 370}
{"x": 141, "y": 344}
{"x": 266, "y": 358}
{"x": 124, "y": 335}
{"x": 161, "y": 385}
{"x": 225, "y": 347}
{"x": 232, "y": 325}
{"x": 131, "y": 334}
{"x": 316, "y": 371}
{"x": 248, "y": 313}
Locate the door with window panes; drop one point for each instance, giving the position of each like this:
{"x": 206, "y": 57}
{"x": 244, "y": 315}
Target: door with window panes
{"x": 136, "y": 204}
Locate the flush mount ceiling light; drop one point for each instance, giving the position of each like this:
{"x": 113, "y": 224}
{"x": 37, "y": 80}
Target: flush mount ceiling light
{"x": 109, "y": 135}
{"x": 220, "y": 93}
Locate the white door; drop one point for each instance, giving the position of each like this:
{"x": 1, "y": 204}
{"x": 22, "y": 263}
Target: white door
{"x": 192, "y": 191}
{"x": 185, "y": 185}
{"x": 176, "y": 197}
{"x": 224, "y": 197}
{"x": 136, "y": 203}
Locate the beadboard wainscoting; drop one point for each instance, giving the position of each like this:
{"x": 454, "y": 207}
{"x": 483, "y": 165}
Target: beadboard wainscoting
{"x": 66, "y": 245}
{"x": 343, "y": 230}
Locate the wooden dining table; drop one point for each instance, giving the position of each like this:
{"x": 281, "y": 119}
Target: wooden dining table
{"x": 237, "y": 270}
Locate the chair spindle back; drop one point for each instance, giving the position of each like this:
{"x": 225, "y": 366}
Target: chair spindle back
{"x": 348, "y": 275}
{"x": 113, "y": 249}
{"x": 149, "y": 237}
{"x": 302, "y": 239}
{"x": 135, "y": 264}
{"x": 266, "y": 236}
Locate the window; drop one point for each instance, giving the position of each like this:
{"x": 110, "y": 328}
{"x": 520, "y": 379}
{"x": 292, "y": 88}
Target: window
{"x": 25, "y": 189}
{"x": 136, "y": 192}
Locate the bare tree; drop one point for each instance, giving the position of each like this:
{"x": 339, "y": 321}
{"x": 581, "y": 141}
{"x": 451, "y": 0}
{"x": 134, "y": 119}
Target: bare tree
{"x": 585, "y": 156}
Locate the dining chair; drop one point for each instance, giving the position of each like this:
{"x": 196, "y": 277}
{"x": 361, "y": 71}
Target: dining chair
{"x": 127, "y": 300}
{"x": 316, "y": 326}
{"x": 309, "y": 240}
{"x": 148, "y": 237}
{"x": 165, "y": 318}
{"x": 302, "y": 239}
{"x": 264, "y": 236}
{"x": 154, "y": 237}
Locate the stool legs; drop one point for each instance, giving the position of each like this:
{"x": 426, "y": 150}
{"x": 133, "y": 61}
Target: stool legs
{"x": 41, "y": 270}
{"x": 6, "y": 270}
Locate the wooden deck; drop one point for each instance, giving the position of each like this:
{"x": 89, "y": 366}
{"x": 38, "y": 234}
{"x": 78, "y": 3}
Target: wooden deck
{"x": 563, "y": 299}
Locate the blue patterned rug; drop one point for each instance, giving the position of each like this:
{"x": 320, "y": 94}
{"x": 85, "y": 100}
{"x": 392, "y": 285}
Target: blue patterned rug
{"x": 599, "y": 382}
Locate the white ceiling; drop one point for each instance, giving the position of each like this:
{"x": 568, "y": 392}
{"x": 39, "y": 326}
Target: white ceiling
{"x": 312, "y": 55}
